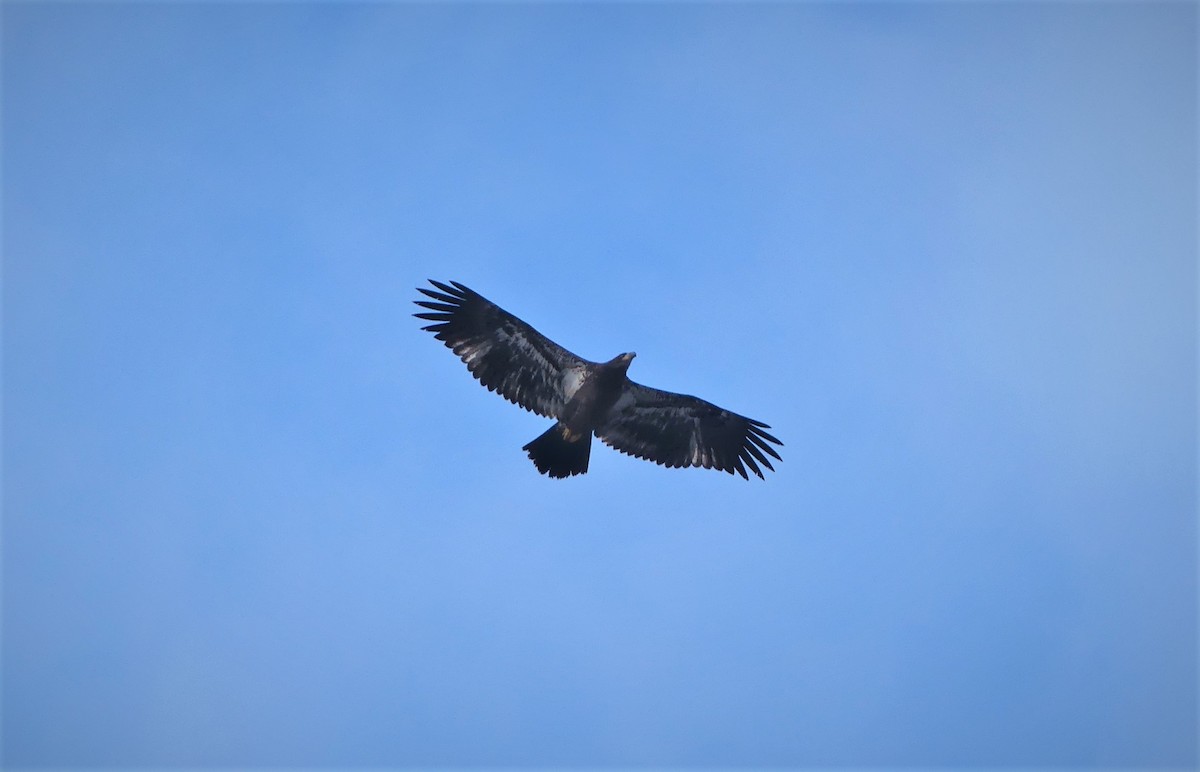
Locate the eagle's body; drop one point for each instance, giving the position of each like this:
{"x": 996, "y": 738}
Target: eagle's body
{"x": 585, "y": 398}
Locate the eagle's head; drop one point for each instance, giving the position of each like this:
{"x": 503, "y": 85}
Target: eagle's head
{"x": 623, "y": 360}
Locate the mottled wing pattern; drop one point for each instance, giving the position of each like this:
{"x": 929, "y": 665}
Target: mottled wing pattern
{"x": 676, "y": 430}
{"x": 503, "y": 352}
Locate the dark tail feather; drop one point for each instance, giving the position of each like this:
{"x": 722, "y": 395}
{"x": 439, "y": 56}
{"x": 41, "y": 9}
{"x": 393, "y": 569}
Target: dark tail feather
{"x": 556, "y": 455}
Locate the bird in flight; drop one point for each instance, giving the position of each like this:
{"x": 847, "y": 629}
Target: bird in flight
{"x": 584, "y": 398}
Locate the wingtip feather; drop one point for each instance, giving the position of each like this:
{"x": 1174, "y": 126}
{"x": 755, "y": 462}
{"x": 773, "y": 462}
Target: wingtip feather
{"x": 441, "y": 297}
{"x": 443, "y": 307}
{"x": 758, "y": 455}
{"x": 448, "y": 289}
{"x": 757, "y": 432}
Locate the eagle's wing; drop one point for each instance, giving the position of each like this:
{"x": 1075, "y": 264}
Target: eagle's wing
{"x": 503, "y": 352}
{"x": 677, "y": 430}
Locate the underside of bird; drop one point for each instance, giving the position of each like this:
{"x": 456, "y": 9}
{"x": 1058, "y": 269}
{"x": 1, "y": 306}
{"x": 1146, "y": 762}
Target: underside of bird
{"x": 588, "y": 398}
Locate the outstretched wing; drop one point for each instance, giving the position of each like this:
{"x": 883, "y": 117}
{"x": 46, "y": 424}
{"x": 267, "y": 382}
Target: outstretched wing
{"x": 503, "y": 352}
{"x": 677, "y": 430}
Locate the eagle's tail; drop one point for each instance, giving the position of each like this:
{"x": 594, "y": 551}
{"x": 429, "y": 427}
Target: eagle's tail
{"x": 560, "y": 452}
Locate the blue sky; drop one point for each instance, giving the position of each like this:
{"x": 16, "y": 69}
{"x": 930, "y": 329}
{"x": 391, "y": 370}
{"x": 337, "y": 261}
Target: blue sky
{"x": 253, "y": 516}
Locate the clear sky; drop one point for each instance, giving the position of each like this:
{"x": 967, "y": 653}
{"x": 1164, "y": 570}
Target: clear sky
{"x": 253, "y": 516}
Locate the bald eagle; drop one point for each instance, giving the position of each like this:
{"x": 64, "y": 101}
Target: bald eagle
{"x": 516, "y": 361}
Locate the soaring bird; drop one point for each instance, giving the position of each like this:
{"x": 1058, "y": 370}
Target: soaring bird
{"x": 584, "y": 398}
